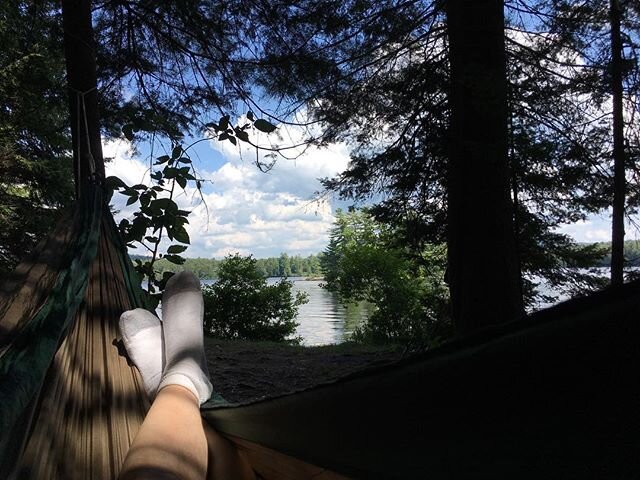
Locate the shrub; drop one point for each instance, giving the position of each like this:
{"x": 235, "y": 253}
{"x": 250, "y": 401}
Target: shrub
{"x": 410, "y": 297}
{"x": 240, "y": 305}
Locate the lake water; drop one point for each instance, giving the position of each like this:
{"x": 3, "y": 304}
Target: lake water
{"x": 323, "y": 320}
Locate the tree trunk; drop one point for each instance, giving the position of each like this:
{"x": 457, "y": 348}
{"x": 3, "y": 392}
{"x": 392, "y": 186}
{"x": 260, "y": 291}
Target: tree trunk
{"x": 617, "y": 224}
{"x": 483, "y": 264}
{"x": 80, "y": 59}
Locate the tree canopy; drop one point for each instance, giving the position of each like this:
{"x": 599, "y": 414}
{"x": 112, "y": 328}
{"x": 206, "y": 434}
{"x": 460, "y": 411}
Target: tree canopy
{"x": 410, "y": 299}
{"x": 511, "y": 133}
{"x": 377, "y": 75}
{"x": 36, "y": 178}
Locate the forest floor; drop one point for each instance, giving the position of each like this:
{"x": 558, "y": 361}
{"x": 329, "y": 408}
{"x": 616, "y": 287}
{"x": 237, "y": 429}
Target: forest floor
{"x": 244, "y": 371}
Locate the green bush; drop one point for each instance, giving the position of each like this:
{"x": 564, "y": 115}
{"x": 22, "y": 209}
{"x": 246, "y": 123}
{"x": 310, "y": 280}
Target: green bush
{"x": 240, "y": 305}
{"x": 410, "y": 297}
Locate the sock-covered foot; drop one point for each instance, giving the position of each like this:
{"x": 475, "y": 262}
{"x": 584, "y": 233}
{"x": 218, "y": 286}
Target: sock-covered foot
{"x": 142, "y": 337}
{"x": 182, "y": 313}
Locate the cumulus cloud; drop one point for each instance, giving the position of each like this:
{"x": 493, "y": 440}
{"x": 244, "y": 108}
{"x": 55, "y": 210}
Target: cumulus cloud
{"x": 597, "y": 228}
{"x": 243, "y": 209}
{"x": 592, "y": 230}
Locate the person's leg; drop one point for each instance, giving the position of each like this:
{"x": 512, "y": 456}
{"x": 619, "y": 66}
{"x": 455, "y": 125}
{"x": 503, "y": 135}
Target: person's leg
{"x": 183, "y": 336}
{"x": 171, "y": 443}
{"x": 141, "y": 334}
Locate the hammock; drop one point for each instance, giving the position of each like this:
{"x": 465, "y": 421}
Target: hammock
{"x": 70, "y": 405}
{"x": 555, "y": 395}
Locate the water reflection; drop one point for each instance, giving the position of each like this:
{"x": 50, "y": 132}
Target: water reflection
{"x": 324, "y": 320}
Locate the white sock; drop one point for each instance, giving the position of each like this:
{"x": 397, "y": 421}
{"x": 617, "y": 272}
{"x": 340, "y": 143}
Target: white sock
{"x": 142, "y": 337}
{"x": 182, "y": 312}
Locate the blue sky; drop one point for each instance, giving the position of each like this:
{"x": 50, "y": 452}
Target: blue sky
{"x": 264, "y": 214}
{"x": 245, "y": 210}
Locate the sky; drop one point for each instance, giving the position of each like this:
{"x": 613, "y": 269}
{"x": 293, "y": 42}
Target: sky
{"x": 265, "y": 214}
{"x": 244, "y": 210}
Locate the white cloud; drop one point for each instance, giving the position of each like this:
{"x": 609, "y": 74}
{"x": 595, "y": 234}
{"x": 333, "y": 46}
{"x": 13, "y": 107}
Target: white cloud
{"x": 264, "y": 214}
{"x": 121, "y": 162}
{"x": 245, "y": 210}
{"x": 597, "y": 228}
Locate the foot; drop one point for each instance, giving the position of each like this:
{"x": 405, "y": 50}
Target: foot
{"x": 142, "y": 337}
{"x": 182, "y": 313}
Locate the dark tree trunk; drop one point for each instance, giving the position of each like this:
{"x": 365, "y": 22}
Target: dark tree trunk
{"x": 617, "y": 224}
{"x": 483, "y": 264}
{"x": 80, "y": 58}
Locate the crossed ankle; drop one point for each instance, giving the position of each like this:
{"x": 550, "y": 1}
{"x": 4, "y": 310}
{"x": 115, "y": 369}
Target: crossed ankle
{"x": 201, "y": 389}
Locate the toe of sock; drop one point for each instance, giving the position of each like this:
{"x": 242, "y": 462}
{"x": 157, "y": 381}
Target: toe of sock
{"x": 182, "y": 281}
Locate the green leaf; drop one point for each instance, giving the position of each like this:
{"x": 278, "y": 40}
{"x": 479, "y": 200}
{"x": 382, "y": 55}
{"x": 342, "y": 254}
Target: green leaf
{"x": 182, "y": 182}
{"x": 138, "y": 229}
{"x": 132, "y": 199}
{"x": 264, "y": 126}
{"x": 176, "y": 248}
{"x": 250, "y": 115}
{"x": 176, "y": 152}
{"x": 170, "y": 172}
{"x": 114, "y": 183}
{"x": 181, "y": 235}
{"x": 165, "y": 204}
{"x": 242, "y": 135}
{"x": 224, "y": 122}
{"x": 162, "y": 159}
{"x": 233, "y": 140}
{"x": 152, "y": 239}
{"x": 145, "y": 198}
{"x": 184, "y": 160}
{"x": 177, "y": 259}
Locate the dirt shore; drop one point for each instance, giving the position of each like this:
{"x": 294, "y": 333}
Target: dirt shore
{"x": 246, "y": 371}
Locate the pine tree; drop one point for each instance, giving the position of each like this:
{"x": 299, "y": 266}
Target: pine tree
{"x": 36, "y": 179}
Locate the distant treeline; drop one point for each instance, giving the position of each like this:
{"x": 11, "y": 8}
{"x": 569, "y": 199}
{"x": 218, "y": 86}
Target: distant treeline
{"x": 284, "y": 265}
{"x": 292, "y": 266}
{"x": 631, "y": 254}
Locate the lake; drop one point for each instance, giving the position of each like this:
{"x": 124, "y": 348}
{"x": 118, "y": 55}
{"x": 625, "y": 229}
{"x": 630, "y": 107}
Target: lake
{"x": 323, "y": 320}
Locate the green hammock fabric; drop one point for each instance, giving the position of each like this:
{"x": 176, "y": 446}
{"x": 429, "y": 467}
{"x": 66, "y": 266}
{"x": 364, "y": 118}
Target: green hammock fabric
{"x": 81, "y": 295}
{"x": 24, "y": 363}
{"x": 554, "y": 396}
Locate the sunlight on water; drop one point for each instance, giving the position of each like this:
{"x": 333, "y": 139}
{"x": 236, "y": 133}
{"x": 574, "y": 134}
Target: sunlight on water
{"x": 323, "y": 320}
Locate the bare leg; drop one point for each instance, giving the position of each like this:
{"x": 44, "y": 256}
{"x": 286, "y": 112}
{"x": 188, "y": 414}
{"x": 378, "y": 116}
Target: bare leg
{"x": 171, "y": 443}
{"x": 225, "y": 461}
